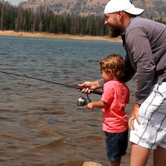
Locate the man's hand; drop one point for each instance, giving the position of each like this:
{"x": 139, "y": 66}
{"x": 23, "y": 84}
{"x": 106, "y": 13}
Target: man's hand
{"x": 134, "y": 116}
{"x": 89, "y": 86}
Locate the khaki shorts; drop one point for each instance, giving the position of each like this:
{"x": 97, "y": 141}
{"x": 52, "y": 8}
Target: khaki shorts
{"x": 152, "y": 113}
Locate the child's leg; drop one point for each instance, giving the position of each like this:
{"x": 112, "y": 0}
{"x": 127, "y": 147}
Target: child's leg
{"x": 115, "y": 163}
{"x": 116, "y": 145}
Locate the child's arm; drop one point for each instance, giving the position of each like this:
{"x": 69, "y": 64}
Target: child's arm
{"x": 99, "y": 104}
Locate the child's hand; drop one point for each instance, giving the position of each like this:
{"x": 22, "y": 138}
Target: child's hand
{"x": 90, "y": 106}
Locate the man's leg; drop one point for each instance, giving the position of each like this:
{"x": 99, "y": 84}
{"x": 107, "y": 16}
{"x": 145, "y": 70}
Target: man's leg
{"x": 159, "y": 156}
{"x": 139, "y": 155}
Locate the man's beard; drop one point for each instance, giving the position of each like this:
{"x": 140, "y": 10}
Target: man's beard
{"x": 115, "y": 32}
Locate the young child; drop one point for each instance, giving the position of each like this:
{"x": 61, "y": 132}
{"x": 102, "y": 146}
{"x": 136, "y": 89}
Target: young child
{"x": 113, "y": 101}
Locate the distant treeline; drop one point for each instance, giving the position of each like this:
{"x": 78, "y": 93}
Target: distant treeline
{"x": 19, "y": 19}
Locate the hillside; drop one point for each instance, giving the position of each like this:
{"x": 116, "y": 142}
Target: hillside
{"x": 153, "y": 8}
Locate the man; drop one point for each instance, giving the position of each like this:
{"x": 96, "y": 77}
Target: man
{"x": 145, "y": 44}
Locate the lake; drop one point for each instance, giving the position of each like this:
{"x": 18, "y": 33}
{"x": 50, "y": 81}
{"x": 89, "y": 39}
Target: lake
{"x": 40, "y": 122}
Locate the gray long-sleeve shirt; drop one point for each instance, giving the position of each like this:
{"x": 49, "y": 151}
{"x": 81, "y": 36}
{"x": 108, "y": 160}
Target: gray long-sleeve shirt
{"x": 145, "y": 44}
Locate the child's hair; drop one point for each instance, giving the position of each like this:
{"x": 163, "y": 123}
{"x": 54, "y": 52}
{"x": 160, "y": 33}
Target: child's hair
{"x": 114, "y": 62}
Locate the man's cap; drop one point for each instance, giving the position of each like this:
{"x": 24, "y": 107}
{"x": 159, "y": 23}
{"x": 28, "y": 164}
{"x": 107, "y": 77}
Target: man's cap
{"x": 122, "y": 5}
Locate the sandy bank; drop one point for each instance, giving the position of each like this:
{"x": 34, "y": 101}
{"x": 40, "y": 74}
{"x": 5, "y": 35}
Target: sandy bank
{"x": 57, "y": 36}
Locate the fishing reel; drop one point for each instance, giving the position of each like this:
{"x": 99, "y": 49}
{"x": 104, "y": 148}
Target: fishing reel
{"x": 82, "y": 101}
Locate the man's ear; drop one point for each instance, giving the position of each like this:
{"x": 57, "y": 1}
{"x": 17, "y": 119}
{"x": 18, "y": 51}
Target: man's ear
{"x": 120, "y": 15}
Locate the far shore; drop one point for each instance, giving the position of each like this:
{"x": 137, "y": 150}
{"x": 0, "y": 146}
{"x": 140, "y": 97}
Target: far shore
{"x": 57, "y": 36}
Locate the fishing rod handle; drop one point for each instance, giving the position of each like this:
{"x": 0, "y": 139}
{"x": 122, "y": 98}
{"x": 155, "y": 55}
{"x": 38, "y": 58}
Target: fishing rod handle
{"x": 96, "y": 92}
{"x": 92, "y": 91}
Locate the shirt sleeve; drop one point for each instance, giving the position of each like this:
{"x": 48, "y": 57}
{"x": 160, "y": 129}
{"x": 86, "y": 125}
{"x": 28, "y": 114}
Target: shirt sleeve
{"x": 108, "y": 93}
{"x": 142, "y": 60}
{"x": 101, "y": 82}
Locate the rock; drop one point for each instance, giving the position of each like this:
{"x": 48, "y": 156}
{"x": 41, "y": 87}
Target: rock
{"x": 89, "y": 163}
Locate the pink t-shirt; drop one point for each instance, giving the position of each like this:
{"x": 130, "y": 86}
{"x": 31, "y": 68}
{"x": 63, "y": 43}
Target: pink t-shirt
{"x": 116, "y": 94}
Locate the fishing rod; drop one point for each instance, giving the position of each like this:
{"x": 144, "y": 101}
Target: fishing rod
{"x": 57, "y": 83}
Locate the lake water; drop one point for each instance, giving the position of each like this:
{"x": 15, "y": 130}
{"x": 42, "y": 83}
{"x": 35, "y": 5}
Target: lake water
{"x": 40, "y": 122}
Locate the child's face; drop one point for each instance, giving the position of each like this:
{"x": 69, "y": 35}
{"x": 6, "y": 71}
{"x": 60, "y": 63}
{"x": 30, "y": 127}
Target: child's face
{"x": 107, "y": 76}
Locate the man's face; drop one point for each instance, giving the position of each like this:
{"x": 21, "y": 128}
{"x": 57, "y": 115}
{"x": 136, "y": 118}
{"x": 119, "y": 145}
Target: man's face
{"x": 112, "y": 21}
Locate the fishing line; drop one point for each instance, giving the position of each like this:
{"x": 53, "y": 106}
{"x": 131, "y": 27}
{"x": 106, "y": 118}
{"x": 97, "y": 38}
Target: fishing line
{"x": 53, "y": 82}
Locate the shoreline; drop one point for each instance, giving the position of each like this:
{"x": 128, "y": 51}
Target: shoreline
{"x": 57, "y": 36}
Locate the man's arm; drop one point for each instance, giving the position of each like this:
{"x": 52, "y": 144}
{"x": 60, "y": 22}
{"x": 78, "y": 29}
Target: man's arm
{"x": 129, "y": 70}
{"x": 142, "y": 60}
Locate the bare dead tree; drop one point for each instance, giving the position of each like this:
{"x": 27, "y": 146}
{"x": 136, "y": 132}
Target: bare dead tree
{"x": 34, "y": 24}
{"x": 40, "y": 18}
